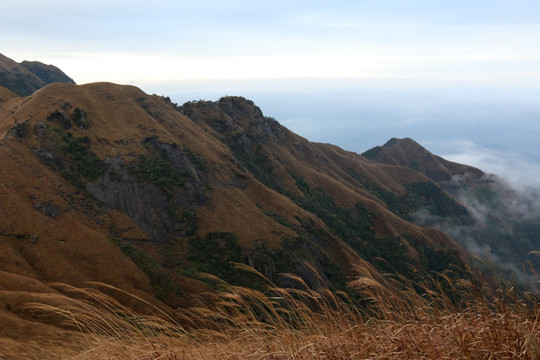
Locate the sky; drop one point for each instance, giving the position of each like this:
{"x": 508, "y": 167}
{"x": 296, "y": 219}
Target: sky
{"x": 453, "y": 75}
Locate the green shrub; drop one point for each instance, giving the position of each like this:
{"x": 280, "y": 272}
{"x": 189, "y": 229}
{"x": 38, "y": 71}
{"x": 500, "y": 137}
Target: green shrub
{"x": 214, "y": 253}
{"x": 158, "y": 170}
{"x": 21, "y": 129}
{"x": 301, "y": 184}
{"x": 278, "y": 217}
{"x": 81, "y": 159}
{"x": 60, "y": 118}
{"x": 160, "y": 282}
{"x": 189, "y": 217}
{"x": 114, "y": 176}
{"x": 79, "y": 118}
{"x": 195, "y": 159}
{"x": 420, "y": 195}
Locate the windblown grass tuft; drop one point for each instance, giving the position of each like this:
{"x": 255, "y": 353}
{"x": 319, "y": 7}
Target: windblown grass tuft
{"x": 391, "y": 319}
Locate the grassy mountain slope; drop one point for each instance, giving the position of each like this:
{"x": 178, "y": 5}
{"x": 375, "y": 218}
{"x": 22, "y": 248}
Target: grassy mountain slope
{"x": 103, "y": 182}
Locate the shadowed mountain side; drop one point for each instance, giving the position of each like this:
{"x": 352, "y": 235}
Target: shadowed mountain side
{"x": 28, "y": 76}
{"x": 6, "y": 94}
{"x": 319, "y": 178}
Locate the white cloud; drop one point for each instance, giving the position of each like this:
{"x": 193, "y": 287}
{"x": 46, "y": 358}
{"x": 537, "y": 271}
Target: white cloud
{"x": 520, "y": 168}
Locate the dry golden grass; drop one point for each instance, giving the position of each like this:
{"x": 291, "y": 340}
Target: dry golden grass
{"x": 393, "y": 322}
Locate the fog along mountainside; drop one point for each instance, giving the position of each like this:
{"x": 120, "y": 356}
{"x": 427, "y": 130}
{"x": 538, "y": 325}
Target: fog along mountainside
{"x": 501, "y": 223}
{"x": 506, "y": 224}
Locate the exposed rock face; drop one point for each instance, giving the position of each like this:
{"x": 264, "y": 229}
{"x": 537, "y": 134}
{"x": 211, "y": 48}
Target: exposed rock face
{"x": 157, "y": 208}
{"x": 28, "y": 76}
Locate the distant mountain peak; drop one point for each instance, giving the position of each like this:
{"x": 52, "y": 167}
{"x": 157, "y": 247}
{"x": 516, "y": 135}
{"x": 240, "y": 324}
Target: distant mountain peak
{"x": 403, "y": 142}
{"x": 28, "y": 76}
{"x": 409, "y": 153}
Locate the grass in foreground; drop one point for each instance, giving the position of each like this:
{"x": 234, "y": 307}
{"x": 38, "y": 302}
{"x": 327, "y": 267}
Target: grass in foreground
{"x": 393, "y": 322}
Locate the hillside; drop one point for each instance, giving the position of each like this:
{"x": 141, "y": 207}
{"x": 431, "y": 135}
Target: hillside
{"x": 102, "y": 182}
{"x": 501, "y": 226}
{"x": 28, "y": 76}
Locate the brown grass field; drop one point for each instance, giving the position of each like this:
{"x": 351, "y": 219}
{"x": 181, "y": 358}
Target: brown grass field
{"x": 393, "y": 321}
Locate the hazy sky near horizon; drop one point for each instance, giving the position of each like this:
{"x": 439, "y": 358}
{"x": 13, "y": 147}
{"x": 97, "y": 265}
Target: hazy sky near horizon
{"x": 124, "y": 41}
{"x": 353, "y": 73}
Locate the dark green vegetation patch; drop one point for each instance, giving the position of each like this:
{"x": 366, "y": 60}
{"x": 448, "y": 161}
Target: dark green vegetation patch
{"x": 78, "y": 117}
{"x": 81, "y": 159}
{"x": 215, "y": 253}
{"x": 421, "y": 195}
{"x": 159, "y": 279}
{"x": 158, "y": 170}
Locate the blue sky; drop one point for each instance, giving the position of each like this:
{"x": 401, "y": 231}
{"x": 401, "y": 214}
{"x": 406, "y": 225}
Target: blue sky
{"x": 352, "y": 73}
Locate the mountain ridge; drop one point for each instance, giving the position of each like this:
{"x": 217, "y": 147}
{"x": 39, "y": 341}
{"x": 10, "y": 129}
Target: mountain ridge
{"x": 102, "y": 133}
{"x": 28, "y": 76}
{"x": 102, "y": 182}
{"x": 406, "y": 152}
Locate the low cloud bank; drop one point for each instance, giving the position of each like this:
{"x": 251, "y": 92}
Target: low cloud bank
{"x": 519, "y": 168}
{"x": 504, "y": 207}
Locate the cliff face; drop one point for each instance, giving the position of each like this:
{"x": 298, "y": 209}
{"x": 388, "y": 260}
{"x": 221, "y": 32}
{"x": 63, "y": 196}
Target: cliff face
{"x": 28, "y": 76}
{"x": 103, "y": 182}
